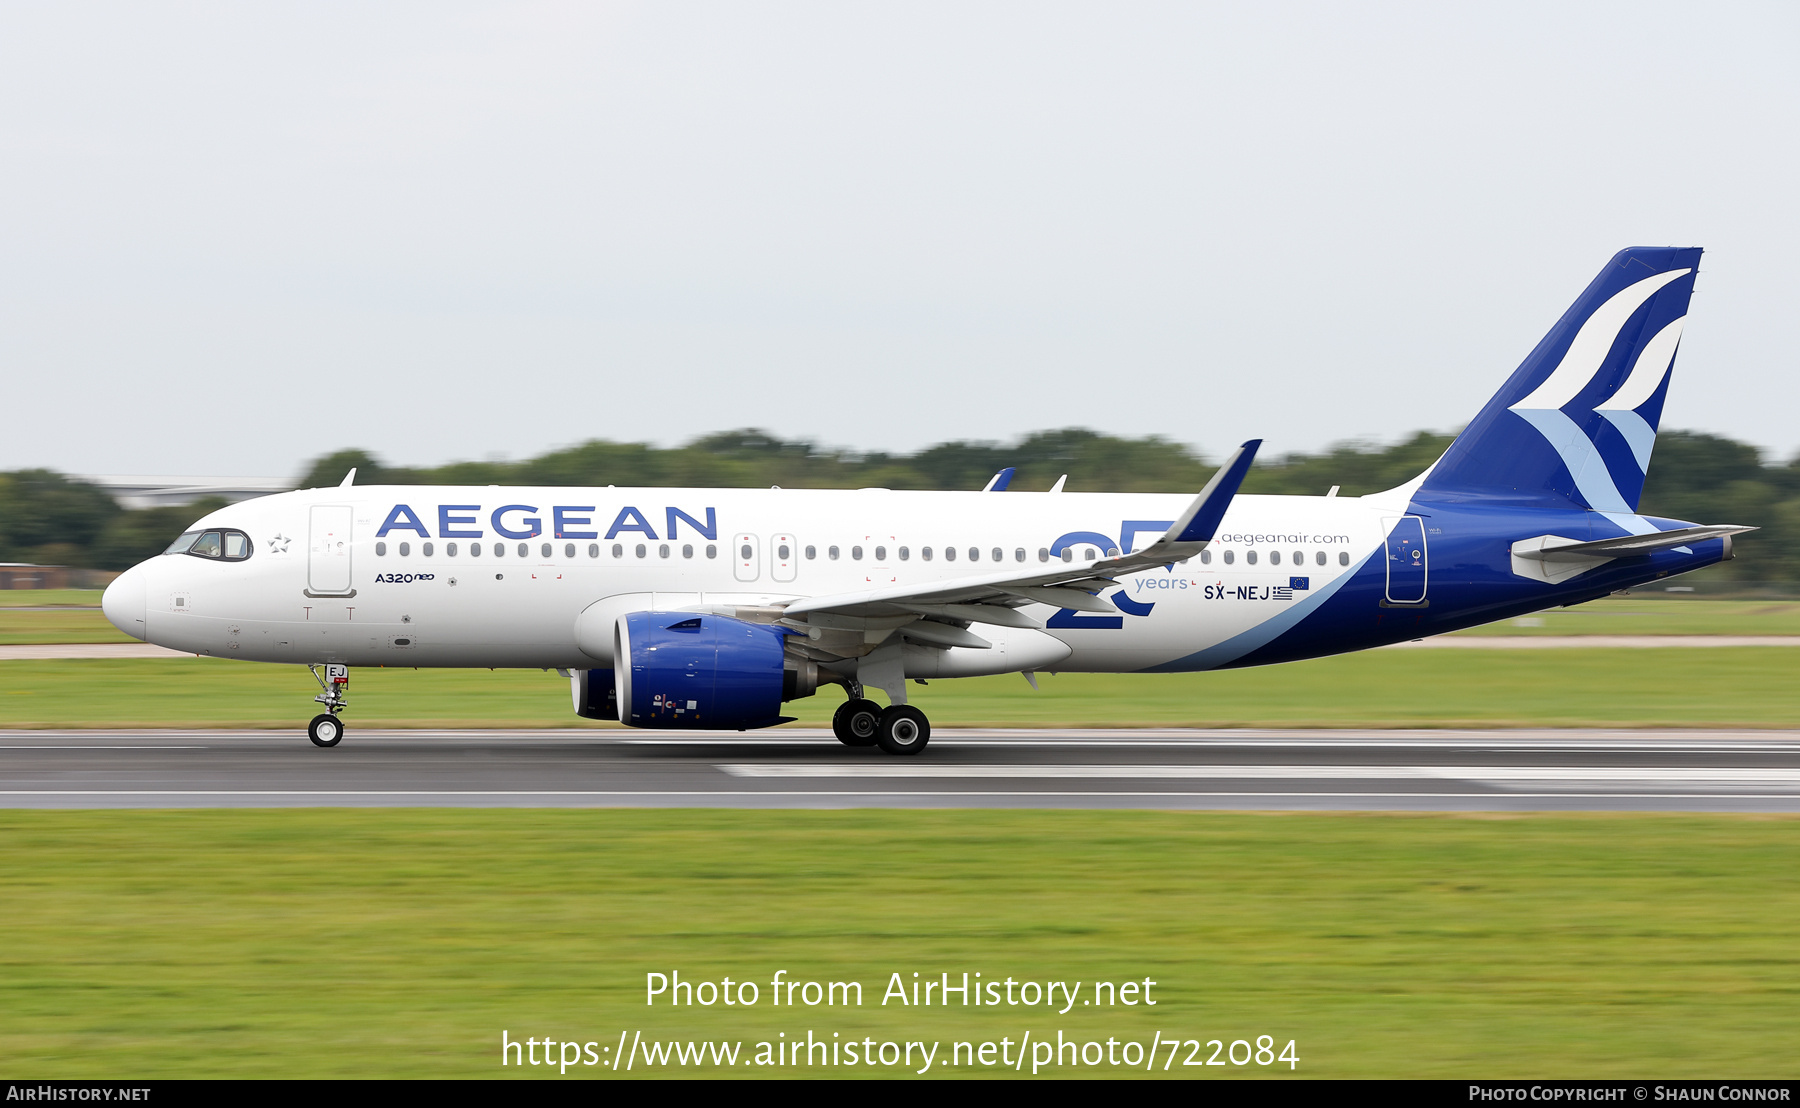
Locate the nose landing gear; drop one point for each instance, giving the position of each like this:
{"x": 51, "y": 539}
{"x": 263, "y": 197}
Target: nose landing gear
{"x": 326, "y": 729}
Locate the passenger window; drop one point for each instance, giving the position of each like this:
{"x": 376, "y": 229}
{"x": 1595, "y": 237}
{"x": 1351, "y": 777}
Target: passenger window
{"x": 1250, "y": 557}
{"x": 618, "y": 550}
{"x": 999, "y": 554}
{"x": 405, "y": 549}
{"x": 450, "y": 550}
{"x": 1230, "y": 557}
{"x": 687, "y": 550}
{"x": 949, "y": 553}
{"x": 1019, "y": 554}
{"x": 974, "y": 554}
{"x": 1274, "y": 557}
{"x": 207, "y": 545}
{"x": 568, "y": 550}
{"x": 424, "y": 548}
{"x": 475, "y": 549}
{"x": 641, "y": 550}
{"x": 181, "y": 545}
{"x": 662, "y": 551}
{"x": 237, "y": 545}
{"x": 381, "y": 550}
{"x": 1343, "y": 557}
{"x": 745, "y": 552}
{"x": 905, "y": 553}
{"x": 881, "y": 553}
{"x": 712, "y": 551}
{"x": 1091, "y": 553}
{"x": 856, "y": 553}
{"x": 543, "y": 551}
{"x": 832, "y": 553}
{"x": 925, "y": 553}
{"x": 1299, "y": 557}
{"x": 1043, "y": 553}
{"x": 811, "y": 553}
{"x": 1319, "y": 557}
{"x": 525, "y": 550}
{"x": 593, "y": 550}
{"x": 1206, "y": 557}
{"x": 782, "y": 553}
{"x": 1068, "y": 554}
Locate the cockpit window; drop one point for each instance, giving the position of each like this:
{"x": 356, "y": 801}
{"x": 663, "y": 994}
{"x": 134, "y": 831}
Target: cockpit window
{"x": 229, "y": 546}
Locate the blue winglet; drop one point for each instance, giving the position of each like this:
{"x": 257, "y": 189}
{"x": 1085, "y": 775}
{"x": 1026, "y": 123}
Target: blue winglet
{"x": 1001, "y": 480}
{"x": 1216, "y": 496}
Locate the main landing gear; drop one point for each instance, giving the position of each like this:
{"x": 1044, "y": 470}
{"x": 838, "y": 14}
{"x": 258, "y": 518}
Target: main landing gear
{"x": 899, "y": 729}
{"x": 326, "y": 729}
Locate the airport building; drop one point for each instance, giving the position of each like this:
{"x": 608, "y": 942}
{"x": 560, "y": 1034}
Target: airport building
{"x": 164, "y": 492}
{"x": 25, "y": 575}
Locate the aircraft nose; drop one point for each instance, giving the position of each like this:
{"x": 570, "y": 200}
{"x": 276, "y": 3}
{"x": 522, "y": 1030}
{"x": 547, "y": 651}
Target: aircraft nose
{"x": 123, "y": 602}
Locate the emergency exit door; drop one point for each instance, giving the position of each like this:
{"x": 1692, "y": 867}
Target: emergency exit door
{"x": 784, "y": 557}
{"x": 746, "y": 564}
{"x": 328, "y": 551}
{"x": 1406, "y": 560}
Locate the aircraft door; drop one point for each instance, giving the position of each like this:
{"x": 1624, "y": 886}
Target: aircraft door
{"x": 747, "y": 563}
{"x": 1406, "y": 560}
{"x": 783, "y": 557}
{"x": 328, "y": 550}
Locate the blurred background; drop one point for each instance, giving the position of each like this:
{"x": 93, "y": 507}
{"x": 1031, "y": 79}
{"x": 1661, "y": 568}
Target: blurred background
{"x": 236, "y": 239}
{"x": 243, "y": 250}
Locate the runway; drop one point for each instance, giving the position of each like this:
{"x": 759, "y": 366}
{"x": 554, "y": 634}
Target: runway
{"x": 1714, "y": 771}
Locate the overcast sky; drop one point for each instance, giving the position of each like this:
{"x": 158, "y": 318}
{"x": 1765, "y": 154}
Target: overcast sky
{"x": 236, "y": 236}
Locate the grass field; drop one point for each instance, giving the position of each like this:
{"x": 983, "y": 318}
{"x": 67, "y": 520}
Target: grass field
{"x": 401, "y": 943}
{"x": 50, "y": 598}
{"x": 1639, "y": 614}
{"x": 56, "y": 625}
{"x": 75, "y": 618}
{"x": 1668, "y": 687}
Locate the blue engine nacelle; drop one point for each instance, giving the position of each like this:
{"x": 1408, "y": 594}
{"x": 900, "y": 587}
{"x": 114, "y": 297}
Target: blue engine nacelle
{"x": 675, "y": 670}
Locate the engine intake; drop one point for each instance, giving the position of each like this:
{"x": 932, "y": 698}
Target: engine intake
{"x": 701, "y": 672}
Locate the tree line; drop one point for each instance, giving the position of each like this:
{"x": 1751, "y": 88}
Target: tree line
{"x": 49, "y": 518}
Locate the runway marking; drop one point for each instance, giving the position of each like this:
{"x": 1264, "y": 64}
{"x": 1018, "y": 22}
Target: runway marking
{"x": 753, "y": 795}
{"x": 1497, "y": 776}
{"x": 89, "y": 746}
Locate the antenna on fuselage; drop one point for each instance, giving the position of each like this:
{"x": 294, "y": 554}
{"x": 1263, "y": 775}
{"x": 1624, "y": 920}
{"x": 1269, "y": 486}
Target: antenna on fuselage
{"x": 349, "y": 478}
{"x": 1059, "y": 483}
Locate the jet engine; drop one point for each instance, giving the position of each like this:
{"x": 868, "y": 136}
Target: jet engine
{"x": 703, "y": 672}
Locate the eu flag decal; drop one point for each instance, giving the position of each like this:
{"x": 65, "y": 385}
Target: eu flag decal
{"x": 1300, "y": 583}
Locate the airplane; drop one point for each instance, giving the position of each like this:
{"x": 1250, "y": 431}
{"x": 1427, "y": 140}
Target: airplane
{"x": 709, "y": 609}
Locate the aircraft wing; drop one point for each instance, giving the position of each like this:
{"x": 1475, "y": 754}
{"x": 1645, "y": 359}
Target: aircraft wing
{"x": 1071, "y": 583}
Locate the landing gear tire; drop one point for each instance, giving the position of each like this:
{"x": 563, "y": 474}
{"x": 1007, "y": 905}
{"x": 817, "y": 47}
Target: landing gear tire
{"x": 904, "y": 730}
{"x": 857, "y": 722}
{"x": 325, "y": 730}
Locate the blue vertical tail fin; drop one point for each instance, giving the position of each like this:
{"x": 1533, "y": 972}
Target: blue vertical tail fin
{"x": 1574, "y": 425}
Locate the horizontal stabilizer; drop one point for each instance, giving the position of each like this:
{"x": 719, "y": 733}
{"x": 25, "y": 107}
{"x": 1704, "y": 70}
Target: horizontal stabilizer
{"x": 1557, "y": 548}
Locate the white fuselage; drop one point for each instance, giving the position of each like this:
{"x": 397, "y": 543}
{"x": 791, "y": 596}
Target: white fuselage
{"x": 346, "y": 575}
